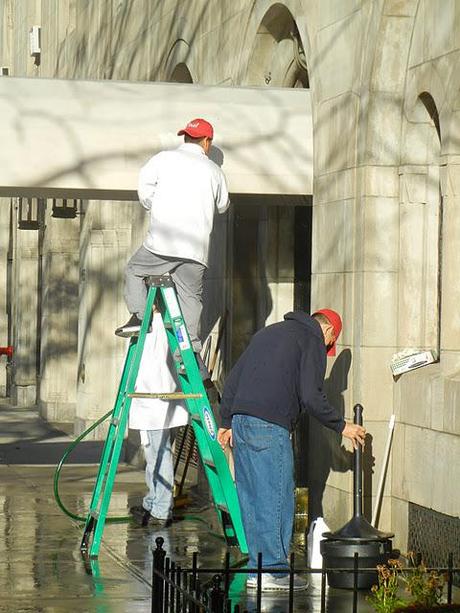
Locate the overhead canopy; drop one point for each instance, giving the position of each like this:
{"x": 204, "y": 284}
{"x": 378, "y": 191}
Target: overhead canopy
{"x": 88, "y": 139}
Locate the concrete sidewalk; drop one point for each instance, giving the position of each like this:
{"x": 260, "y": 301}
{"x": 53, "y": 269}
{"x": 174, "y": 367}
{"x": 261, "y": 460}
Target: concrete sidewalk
{"x": 41, "y": 568}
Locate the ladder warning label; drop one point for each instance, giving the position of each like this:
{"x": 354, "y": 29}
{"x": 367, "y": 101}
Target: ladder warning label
{"x": 171, "y": 302}
{"x": 182, "y": 339}
{"x": 209, "y": 423}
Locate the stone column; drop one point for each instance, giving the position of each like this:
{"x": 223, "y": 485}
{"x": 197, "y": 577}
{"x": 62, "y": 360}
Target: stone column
{"x": 59, "y": 311}
{"x": 450, "y": 328}
{"x": 104, "y": 241}
{"x": 4, "y": 243}
{"x": 24, "y": 302}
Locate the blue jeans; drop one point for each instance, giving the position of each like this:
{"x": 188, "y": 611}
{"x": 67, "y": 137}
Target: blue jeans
{"x": 159, "y": 474}
{"x": 264, "y": 474}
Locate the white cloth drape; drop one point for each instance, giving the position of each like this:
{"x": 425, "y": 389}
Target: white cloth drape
{"x": 156, "y": 374}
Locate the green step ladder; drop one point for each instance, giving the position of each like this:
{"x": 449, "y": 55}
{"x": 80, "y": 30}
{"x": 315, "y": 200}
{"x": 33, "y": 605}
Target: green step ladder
{"x": 162, "y": 294}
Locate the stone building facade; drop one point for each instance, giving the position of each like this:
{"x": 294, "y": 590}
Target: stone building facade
{"x": 379, "y": 241}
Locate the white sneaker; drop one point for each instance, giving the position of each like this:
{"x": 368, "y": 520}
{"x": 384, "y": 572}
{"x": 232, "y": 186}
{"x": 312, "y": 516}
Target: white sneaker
{"x": 271, "y": 583}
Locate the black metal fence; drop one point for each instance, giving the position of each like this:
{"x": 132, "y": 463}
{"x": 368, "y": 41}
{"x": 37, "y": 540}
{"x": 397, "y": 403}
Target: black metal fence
{"x": 176, "y": 589}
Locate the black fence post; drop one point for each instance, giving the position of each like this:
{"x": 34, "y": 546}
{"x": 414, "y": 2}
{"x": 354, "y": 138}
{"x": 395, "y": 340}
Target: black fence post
{"x": 193, "y": 580}
{"x": 227, "y": 573}
{"x": 172, "y": 593}
{"x": 178, "y": 584}
{"x": 259, "y": 583}
{"x": 186, "y": 586}
{"x": 197, "y": 589}
{"x": 323, "y": 585}
{"x": 450, "y": 577}
{"x": 166, "y": 588}
{"x": 291, "y": 583}
{"x": 217, "y": 595}
{"x": 158, "y": 579}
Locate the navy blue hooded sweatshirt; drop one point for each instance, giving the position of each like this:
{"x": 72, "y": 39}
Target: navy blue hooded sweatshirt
{"x": 280, "y": 374}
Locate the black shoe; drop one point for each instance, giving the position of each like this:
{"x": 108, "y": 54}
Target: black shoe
{"x": 130, "y": 328}
{"x": 144, "y": 518}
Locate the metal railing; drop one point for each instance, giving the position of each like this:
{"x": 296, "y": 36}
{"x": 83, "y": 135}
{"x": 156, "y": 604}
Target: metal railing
{"x": 177, "y": 589}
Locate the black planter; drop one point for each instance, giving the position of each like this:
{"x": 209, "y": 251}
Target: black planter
{"x": 340, "y": 554}
{"x": 356, "y": 537}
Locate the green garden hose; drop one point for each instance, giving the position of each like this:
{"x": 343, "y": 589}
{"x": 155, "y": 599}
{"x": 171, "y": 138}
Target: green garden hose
{"x": 57, "y": 473}
{"x": 116, "y": 519}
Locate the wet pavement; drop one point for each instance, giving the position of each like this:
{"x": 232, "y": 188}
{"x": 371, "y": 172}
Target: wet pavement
{"x": 41, "y": 568}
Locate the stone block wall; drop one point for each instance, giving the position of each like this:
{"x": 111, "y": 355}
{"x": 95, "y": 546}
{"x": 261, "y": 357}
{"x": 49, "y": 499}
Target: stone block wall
{"x": 385, "y": 250}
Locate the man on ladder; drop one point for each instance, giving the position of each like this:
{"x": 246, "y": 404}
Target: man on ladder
{"x": 181, "y": 189}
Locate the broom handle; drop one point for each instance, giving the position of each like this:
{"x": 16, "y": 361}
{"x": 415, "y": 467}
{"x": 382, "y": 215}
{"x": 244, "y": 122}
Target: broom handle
{"x": 378, "y": 498}
{"x": 220, "y": 334}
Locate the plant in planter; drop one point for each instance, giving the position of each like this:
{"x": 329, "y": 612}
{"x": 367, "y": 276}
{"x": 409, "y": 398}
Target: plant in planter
{"x": 384, "y": 597}
{"x": 425, "y": 588}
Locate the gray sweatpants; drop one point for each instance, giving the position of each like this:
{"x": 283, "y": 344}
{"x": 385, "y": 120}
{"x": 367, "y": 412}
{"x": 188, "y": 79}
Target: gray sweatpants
{"x": 187, "y": 276}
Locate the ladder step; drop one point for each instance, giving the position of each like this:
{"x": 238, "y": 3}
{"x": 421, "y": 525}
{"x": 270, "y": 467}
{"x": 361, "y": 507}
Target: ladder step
{"x": 159, "y": 281}
{"x": 164, "y": 396}
{"x": 209, "y": 463}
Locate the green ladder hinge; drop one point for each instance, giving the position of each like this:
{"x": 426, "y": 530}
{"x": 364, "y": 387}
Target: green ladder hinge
{"x": 162, "y": 293}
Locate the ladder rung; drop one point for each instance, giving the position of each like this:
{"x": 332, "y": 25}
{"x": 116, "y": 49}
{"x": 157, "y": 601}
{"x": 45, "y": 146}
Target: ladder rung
{"x": 114, "y": 421}
{"x": 164, "y": 396}
{"x": 94, "y": 514}
{"x": 209, "y": 463}
{"x": 222, "y": 507}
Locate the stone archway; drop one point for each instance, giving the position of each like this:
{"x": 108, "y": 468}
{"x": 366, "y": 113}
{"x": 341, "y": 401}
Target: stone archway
{"x": 278, "y": 58}
{"x": 420, "y": 227}
{"x": 177, "y": 66}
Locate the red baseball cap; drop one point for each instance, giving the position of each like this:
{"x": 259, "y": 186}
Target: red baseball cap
{"x": 334, "y": 319}
{"x": 198, "y": 128}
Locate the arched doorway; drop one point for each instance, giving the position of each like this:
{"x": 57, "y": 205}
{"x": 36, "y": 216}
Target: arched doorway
{"x": 271, "y": 275}
{"x": 181, "y": 74}
{"x": 420, "y": 228}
